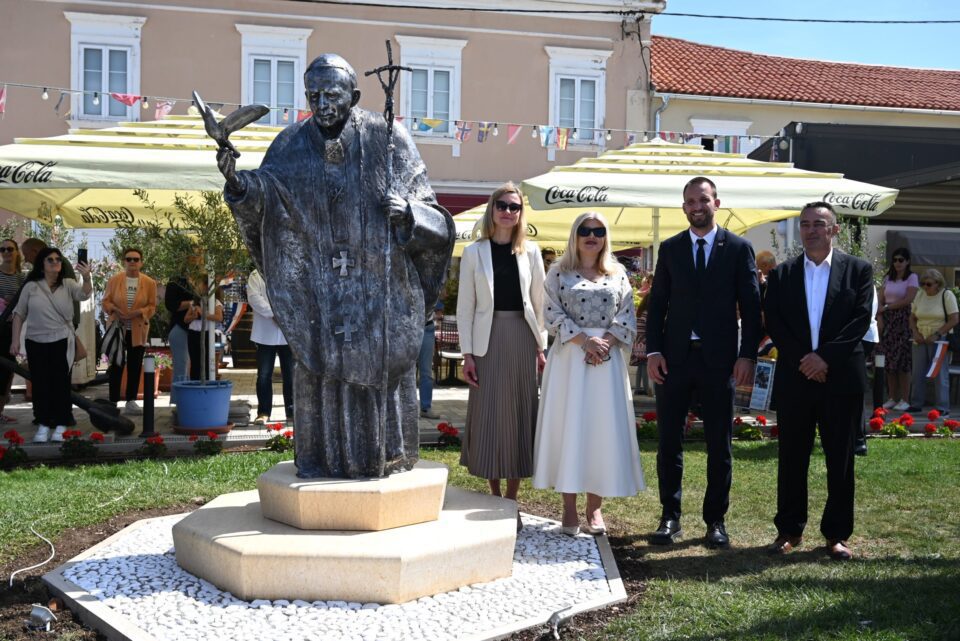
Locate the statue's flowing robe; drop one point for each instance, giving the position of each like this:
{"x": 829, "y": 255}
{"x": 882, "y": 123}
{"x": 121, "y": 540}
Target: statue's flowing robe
{"x": 313, "y": 221}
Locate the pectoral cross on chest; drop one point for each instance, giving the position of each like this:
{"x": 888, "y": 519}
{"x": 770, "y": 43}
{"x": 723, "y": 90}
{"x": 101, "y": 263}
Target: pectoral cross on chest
{"x": 343, "y": 263}
{"x": 346, "y": 329}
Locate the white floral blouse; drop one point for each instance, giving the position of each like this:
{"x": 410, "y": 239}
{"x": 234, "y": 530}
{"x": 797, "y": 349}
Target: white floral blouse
{"x": 575, "y": 302}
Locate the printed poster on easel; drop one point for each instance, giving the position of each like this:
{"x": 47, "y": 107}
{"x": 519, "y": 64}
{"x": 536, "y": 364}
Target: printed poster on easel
{"x": 763, "y": 384}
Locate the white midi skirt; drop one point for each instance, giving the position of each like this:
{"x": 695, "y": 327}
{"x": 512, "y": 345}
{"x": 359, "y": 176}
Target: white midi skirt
{"x": 586, "y": 436}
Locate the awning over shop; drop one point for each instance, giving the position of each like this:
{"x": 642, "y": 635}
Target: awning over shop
{"x": 926, "y": 247}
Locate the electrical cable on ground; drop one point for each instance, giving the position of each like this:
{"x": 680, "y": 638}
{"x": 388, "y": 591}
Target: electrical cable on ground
{"x": 53, "y": 550}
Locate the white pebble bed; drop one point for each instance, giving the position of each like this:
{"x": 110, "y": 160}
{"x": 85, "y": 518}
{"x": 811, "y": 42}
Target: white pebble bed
{"x": 137, "y": 577}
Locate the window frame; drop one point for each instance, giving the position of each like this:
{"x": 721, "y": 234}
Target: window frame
{"x": 275, "y": 44}
{"x": 432, "y": 54}
{"x": 105, "y": 32}
{"x": 578, "y": 65}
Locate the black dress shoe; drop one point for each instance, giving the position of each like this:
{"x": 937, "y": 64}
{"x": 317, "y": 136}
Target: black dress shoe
{"x": 860, "y": 448}
{"x": 717, "y": 536}
{"x": 667, "y": 532}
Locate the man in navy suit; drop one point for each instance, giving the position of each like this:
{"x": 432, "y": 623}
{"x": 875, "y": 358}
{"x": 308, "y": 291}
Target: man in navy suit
{"x": 705, "y": 276}
{"x": 818, "y": 308}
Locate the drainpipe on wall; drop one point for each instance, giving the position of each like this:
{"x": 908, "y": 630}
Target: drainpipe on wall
{"x": 660, "y": 110}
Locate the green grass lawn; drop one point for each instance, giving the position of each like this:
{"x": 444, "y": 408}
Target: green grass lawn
{"x": 904, "y": 583}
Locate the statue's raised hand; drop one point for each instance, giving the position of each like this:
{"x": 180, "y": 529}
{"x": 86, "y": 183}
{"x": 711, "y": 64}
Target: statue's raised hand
{"x": 228, "y": 167}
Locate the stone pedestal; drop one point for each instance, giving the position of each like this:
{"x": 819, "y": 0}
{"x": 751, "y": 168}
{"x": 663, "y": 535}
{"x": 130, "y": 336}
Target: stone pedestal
{"x": 401, "y": 499}
{"x": 230, "y": 543}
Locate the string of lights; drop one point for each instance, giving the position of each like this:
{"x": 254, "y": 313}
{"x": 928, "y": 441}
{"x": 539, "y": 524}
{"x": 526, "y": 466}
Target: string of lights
{"x": 495, "y": 125}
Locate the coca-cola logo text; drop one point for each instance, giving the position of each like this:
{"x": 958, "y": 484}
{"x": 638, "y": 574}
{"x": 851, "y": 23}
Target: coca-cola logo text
{"x": 32, "y": 171}
{"x": 100, "y": 215}
{"x": 588, "y": 194}
{"x": 858, "y": 202}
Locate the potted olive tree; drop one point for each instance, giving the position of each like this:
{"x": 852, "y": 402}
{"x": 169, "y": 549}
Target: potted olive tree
{"x": 200, "y": 241}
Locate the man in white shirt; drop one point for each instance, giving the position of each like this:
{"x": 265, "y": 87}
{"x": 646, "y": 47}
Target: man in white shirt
{"x": 270, "y": 344}
{"x": 817, "y": 310}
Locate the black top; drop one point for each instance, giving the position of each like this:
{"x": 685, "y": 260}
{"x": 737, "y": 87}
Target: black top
{"x": 506, "y": 279}
{"x": 176, "y": 293}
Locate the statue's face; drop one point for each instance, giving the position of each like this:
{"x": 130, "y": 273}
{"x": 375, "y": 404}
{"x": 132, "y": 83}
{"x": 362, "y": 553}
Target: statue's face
{"x": 331, "y": 95}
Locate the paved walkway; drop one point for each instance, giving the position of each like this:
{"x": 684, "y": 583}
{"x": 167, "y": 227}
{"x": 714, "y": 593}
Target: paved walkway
{"x": 449, "y": 402}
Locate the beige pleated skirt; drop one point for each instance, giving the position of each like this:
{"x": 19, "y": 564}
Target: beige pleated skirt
{"x": 502, "y": 411}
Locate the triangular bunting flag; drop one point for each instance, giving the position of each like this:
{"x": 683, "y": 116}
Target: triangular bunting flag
{"x": 463, "y": 131}
{"x": 303, "y": 114}
{"x": 631, "y": 138}
{"x": 548, "y": 135}
{"x": 3, "y": 100}
{"x": 563, "y": 136}
{"x": 938, "y": 360}
{"x": 512, "y": 132}
{"x": 398, "y": 118}
{"x": 163, "y": 109}
{"x": 126, "y": 98}
{"x": 426, "y": 124}
{"x": 483, "y": 130}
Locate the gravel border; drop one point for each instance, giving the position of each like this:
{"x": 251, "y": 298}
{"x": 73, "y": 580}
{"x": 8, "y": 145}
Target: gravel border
{"x": 129, "y": 587}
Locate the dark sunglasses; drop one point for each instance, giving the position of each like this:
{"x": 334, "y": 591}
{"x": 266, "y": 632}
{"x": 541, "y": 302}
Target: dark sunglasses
{"x": 930, "y": 283}
{"x": 899, "y": 259}
{"x": 503, "y": 205}
{"x": 584, "y": 232}
{"x": 132, "y": 259}
{"x": 7, "y": 250}
{"x": 53, "y": 259}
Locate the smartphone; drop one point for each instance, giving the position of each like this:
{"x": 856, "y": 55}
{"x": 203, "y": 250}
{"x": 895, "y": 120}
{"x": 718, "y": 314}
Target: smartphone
{"x": 82, "y": 255}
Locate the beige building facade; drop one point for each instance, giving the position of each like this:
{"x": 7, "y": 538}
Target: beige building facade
{"x": 519, "y": 62}
{"x": 712, "y": 95}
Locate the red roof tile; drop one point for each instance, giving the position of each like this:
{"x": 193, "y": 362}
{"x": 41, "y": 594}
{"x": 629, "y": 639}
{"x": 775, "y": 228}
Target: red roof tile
{"x": 684, "y": 67}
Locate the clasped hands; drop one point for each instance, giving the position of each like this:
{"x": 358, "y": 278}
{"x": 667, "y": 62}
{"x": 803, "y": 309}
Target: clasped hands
{"x": 814, "y": 367}
{"x": 596, "y": 350}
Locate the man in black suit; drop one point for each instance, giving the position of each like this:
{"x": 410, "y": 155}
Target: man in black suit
{"x": 817, "y": 309}
{"x": 703, "y": 277}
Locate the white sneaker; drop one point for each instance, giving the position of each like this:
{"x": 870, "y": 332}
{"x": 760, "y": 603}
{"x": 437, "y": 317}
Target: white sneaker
{"x": 42, "y": 435}
{"x": 889, "y": 404}
{"x": 132, "y": 409}
{"x": 58, "y": 434}
{"x": 902, "y": 406}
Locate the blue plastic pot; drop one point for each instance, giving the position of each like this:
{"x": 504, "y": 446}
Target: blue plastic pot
{"x": 203, "y": 404}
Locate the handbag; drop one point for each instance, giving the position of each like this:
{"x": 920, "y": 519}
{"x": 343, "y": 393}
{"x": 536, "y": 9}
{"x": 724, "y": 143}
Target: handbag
{"x": 952, "y": 338}
{"x": 113, "y": 347}
{"x": 79, "y": 351}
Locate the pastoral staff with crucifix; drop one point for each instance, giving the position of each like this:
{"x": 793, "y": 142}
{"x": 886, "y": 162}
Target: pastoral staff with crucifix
{"x": 318, "y": 216}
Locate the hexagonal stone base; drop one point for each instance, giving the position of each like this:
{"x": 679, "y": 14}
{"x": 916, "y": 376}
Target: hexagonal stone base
{"x": 404, "y": 498}
{"x": 229, "y": 543}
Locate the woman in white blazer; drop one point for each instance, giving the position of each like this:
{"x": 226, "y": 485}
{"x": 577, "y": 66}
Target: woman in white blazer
{"x": 502, "y": 337}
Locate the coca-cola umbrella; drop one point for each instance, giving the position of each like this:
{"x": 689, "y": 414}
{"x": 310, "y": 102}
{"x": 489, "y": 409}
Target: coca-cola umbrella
{"x": 87, "y": 177}
{"x": 639, "y": 190}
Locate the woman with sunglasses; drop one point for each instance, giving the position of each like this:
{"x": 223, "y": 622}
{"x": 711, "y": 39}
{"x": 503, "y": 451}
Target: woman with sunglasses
{"x": 131, "y": 298}
{"x": 899, "y": 288}
{"x": 43, "y": 317}
{"x": 11, "y": 279}
{"x": 500, "y": 319}
{"x": 586, "y": 428}
{"x": 933, "y": 316}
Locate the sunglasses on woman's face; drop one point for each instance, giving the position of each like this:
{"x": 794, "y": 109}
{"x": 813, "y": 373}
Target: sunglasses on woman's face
{"x": 899, "y": 259}
{"x": 584, "y": 232}
{"x": 503, "y": 205}
{"x": 7, "y": 250}
{"x": 132, "y": 259}
{"x": 930, "y": 283}
{"x": 53, "y": 260}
